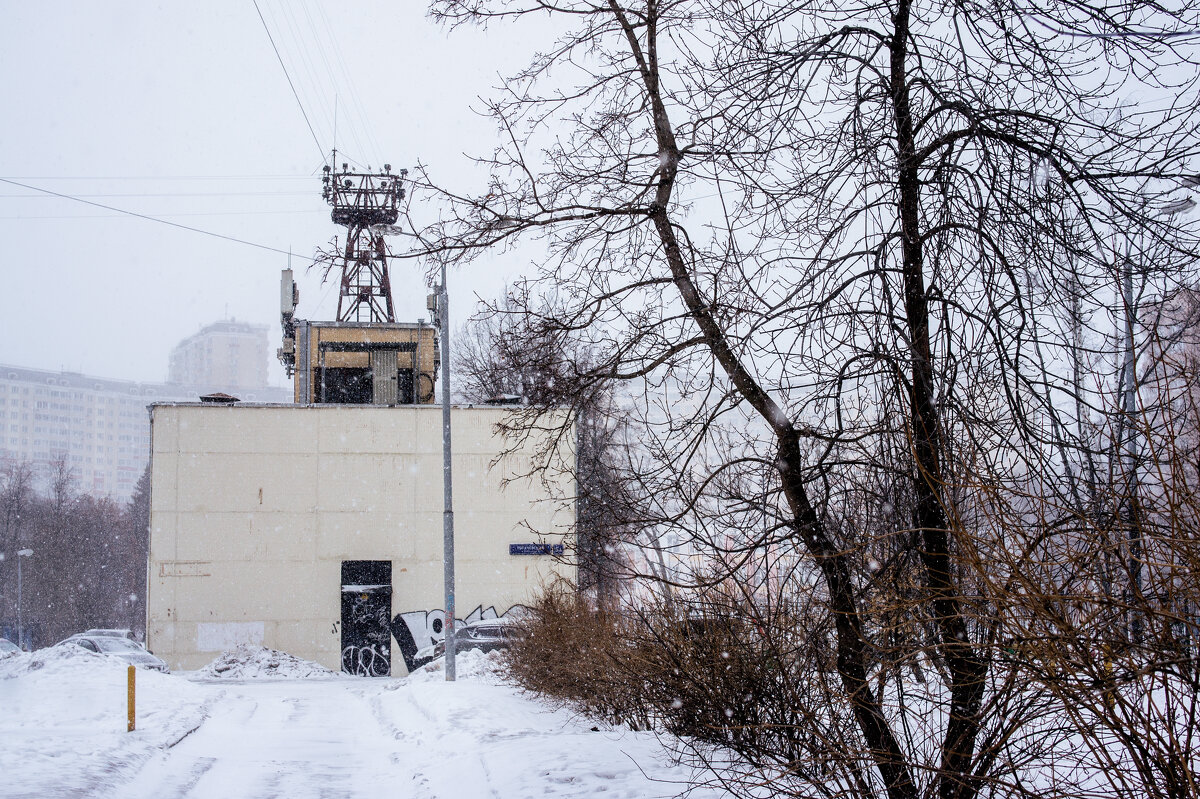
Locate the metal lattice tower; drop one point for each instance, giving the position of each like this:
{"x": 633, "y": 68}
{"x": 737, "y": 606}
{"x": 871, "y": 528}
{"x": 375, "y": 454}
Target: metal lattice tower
{"x": 367, "y": 204}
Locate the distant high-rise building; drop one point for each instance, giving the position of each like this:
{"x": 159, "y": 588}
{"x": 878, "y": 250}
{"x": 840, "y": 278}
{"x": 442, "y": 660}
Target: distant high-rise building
{"x": 227, "y": 356}
{"x": 100, "y": 427}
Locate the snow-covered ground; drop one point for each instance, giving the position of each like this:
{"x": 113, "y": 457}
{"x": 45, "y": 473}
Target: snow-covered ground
{"x": 262, "y": 725}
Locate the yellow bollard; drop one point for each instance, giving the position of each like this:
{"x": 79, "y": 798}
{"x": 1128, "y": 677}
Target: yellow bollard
{"x": 132, "y": 682}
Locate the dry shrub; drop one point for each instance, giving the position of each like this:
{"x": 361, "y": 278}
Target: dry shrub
{"x": 748, "y": 680}
{"x": 723, "y": 675}
{"x": 573, "y": 654}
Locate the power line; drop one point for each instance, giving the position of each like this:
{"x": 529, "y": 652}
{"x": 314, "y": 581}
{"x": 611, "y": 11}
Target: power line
{"x": 355, "y": 98}
{"x": 289, "y": 80}
{"x": 144, "y": 216}
{"x": 179, "y": 194}
{"x": 160, "y": 177}
{"x": 283, "y": 23}
{"x": 38, "y": 217}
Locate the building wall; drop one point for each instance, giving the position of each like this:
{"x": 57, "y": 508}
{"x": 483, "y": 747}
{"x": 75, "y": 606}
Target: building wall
{"x": 99, "y": 426}
{"x": 230, "y": 354}
{"x": 254, "y": 508}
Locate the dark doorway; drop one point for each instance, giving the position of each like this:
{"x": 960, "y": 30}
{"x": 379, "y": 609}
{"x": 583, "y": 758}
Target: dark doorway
{"x": 346, "y": 385}
{"x": 366, "y": 613}
{"x": 404, "y": 387}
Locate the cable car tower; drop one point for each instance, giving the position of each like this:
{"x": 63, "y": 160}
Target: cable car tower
{"x": 368, "y": 205}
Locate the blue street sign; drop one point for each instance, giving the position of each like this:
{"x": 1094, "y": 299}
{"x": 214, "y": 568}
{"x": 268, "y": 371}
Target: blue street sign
{"x": 535, "y": 549}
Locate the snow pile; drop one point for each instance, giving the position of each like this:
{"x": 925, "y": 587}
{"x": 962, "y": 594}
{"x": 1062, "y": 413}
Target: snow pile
{"x": 249, "y": 662}
{"x": 64, "y": 721}
{"x": 470, "y": 664}
{"x": 503, "y": 742}
{"x": 58, "y": 656}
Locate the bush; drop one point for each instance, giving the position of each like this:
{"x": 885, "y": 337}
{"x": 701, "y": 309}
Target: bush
{"x": 573, "y": 654}
{"x": 722, "y": 675}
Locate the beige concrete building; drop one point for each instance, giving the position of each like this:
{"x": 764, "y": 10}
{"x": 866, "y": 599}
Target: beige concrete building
{"x": 317, "y": 530}
{"x": 356, "y": 363}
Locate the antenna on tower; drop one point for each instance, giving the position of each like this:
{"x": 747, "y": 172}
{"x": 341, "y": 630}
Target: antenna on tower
{"x": 367, "y": 204}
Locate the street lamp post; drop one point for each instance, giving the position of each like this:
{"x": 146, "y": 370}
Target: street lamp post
{"x": 21, "y": 553}
{"x": 443, "y": 317}
{"x": 1130, "y": 446}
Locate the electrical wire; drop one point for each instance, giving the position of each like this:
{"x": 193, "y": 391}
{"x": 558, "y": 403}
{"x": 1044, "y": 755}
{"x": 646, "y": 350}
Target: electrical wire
{"x": 300, "y": 57}
{"x": 40, "y": 217}
{"x": 313, "y": 84}
{"x": 356, "y": 118}
{"x": 318, "y": 72}
{"x": 289, "y": 80}
{"x": 159, "y": 177}
{"x": 144, "y": 216}
{"x": 179, "y": 194}
{"x": 323, "y": 52}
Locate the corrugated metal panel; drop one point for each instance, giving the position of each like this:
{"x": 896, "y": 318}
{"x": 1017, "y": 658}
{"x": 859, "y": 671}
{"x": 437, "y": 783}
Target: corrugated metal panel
{"x": 384, "y": 367}
{"x": 304, "y": 393}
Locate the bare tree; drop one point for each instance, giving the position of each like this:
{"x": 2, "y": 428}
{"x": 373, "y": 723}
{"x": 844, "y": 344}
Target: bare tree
{"x": 134, "y": 561}
{"x": 16, "y": 493}
{"x": 88, "y": 567}
{"x": 16, "y": 488}
{"x": 508, "y": 352}
{"x": 853, "y": 256}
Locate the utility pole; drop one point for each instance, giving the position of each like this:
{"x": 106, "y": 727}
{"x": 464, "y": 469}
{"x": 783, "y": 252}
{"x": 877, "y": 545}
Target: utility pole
{"x": 443, "y": 318}
{"x": 1129, "y": 411}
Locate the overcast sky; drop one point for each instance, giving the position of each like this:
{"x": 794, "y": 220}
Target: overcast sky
{"x": 182, "y": 111}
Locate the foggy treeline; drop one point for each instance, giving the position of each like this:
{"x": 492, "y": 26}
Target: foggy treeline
{"x": 88, "y": 563}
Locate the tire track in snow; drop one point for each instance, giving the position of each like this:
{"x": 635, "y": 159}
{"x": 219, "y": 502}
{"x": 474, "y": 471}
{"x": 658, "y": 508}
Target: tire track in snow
{"x": 417, "y": 738}
{"x": 124, "y": 771}
{"x": 292, "y": 739}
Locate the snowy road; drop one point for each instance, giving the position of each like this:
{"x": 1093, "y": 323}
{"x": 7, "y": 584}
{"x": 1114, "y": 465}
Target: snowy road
{"x": 298, "y": 739}
{"x": 326, "y": 737}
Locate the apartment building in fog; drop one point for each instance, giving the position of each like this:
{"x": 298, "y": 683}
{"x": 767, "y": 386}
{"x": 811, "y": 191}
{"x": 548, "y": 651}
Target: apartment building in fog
{"x": 227, "y": 355}
{"x": 100, "y": 427}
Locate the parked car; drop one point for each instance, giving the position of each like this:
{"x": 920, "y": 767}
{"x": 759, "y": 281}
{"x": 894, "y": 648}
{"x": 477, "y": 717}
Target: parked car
{"x": 7, "y": 646}
{"x": 109, "y": 633}
{"x": 119, "y": 647}
{"x": 485, "y": 635}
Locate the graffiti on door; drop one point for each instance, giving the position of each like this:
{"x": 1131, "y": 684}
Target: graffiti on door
{"x": 366, "y": 661}
{"x": 366, "y": 608}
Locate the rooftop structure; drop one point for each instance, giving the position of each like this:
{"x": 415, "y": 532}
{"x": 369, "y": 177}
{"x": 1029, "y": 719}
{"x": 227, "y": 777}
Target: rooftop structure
{"x": 357, "y": 363}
